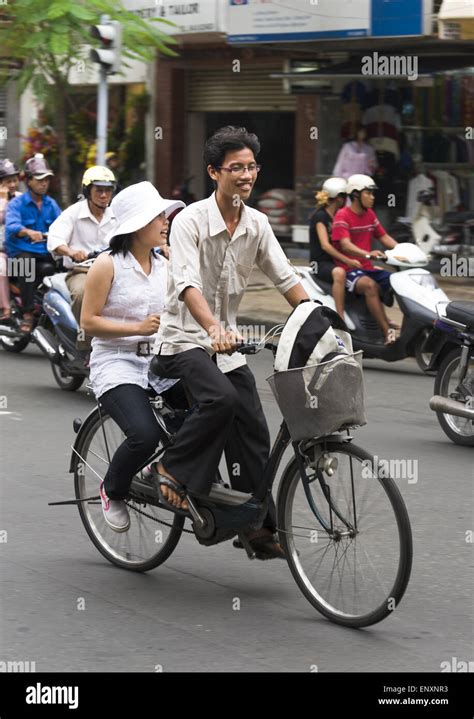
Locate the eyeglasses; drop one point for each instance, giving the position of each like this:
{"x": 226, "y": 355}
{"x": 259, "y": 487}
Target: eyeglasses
{"x": 240, "y": 169}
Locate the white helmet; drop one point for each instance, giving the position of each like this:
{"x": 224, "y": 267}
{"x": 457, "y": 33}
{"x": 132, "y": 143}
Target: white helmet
{"x": 335, "y": 186}
{"x": 360, "y": 182}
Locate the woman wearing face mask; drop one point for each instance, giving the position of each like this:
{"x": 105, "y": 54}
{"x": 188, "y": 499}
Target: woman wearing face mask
{"x": 322, "y": 252}
{"x": 123, "y": 299}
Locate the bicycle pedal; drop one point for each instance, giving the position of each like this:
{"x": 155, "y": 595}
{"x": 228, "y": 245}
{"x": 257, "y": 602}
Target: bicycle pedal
{"x": 247, "y": 546}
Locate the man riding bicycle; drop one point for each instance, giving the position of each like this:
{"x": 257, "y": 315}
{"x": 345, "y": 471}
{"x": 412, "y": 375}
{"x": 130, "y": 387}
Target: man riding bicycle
{"x": 215, "y": 243}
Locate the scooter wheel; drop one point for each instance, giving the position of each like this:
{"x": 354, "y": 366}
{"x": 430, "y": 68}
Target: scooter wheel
{"x": 66, "y": 382}
{"x": 458, "y": 429}
{"x": 423, "y": 358}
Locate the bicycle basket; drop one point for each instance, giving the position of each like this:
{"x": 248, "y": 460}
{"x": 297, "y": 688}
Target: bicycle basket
{"x": 320, "y": 399}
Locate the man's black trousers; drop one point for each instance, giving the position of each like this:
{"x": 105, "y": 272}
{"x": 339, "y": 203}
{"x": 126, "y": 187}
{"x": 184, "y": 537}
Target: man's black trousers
{"x": 228, "y": 418}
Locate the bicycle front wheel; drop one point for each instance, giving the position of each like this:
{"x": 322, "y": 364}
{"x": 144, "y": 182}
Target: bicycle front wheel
{"x": 154, "y": 532}
{"x": 352, "y": 563}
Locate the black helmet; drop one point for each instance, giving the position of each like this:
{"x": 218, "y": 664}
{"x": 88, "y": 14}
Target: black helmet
{"x": 8, "y": 168}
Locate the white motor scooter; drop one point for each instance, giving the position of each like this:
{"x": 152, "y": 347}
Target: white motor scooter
{"x": 416, "y": 292}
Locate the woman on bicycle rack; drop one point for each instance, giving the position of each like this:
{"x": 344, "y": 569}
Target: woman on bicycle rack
{"x": 123, "y": 300}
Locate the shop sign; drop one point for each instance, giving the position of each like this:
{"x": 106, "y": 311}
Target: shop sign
{"x": 456, "y": 20}
{"x": 250, "y": 21}
{"x": 190, "y": 17}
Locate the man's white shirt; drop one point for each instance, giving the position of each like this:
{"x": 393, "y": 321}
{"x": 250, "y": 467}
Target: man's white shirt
{"x": 205, "y": 257}
{"x": 77, "y": 228}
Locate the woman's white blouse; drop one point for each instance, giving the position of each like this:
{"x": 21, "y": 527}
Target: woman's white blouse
{"x": 132, "y": 297}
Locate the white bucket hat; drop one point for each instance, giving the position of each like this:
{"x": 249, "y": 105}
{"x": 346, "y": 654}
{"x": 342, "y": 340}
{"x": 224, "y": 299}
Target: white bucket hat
{"x": 138, "y": 205}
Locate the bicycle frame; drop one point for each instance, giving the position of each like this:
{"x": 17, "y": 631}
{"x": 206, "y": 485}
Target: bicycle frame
{"x": 280, "y": 444}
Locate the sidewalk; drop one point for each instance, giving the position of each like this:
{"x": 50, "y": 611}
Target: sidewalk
{"x": 262, "y": 304}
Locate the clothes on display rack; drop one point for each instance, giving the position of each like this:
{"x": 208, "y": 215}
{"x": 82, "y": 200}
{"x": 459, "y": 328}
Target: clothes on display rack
{"x": 417, "y": 184}
{"x": 355, "y": 159}
{"x": 447, "y": 191}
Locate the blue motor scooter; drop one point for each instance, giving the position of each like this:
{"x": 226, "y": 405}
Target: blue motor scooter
{"x": 57, "y": 332}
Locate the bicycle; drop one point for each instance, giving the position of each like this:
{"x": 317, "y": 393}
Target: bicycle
{"x": 341, "y": 521}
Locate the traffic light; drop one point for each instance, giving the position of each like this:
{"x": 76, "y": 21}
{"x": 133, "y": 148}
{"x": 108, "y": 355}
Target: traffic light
{"x": 109, "y": 54}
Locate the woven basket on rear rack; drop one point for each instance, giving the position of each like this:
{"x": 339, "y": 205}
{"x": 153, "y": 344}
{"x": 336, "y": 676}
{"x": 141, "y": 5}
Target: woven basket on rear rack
{"x": 318, "y": 400}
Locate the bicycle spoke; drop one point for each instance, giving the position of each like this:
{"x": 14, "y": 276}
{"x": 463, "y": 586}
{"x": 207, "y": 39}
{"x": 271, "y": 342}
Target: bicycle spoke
{"x": 138, "y": 547}
{"x": 352, "y": 571}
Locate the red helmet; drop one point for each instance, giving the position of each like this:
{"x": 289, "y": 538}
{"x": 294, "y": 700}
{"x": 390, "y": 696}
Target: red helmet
{"x": 8, "y": 169}
{"x": 37, "y": 167}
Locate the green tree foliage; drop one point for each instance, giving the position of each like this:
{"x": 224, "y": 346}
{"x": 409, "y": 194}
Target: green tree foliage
{"x": 48, "y": 38}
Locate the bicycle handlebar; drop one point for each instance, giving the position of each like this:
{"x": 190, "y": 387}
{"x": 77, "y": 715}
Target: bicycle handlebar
{"x": 91, "y": 256}
{"x": 252, "y": 348}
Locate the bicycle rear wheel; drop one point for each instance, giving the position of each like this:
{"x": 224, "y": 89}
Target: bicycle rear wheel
{"x": 354, "y": 571}
{"x": 150, "y": 540}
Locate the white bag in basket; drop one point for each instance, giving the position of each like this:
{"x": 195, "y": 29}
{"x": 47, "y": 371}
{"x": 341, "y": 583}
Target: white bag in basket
{"x": 318, "y": 382}
{"x": 311, "y": 332}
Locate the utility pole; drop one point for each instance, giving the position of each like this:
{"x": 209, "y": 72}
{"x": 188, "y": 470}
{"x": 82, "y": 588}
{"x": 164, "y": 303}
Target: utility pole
{"x": 108, "y": 56}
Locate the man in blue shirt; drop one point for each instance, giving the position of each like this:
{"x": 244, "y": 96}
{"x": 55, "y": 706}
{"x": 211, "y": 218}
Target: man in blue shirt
{"x": 28, "y": 218}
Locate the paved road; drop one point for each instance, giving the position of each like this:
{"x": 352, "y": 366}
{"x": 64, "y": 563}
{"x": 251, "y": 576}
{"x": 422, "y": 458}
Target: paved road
{"x": 181, "y": 616}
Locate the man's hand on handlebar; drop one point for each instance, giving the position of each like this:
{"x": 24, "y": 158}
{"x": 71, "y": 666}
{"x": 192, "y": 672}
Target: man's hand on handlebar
{"x": 377, "y": 254}
{"x": 79, "y": 255}
{"x": 35, "y": 236}
{"x": 223, "y": 341}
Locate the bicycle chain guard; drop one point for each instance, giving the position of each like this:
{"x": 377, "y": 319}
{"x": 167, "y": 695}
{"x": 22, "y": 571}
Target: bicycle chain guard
{"x": 223, "y": 522}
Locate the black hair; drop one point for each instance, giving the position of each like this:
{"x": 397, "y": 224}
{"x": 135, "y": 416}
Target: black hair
{"x": 121, "y": 243}
{"x": 225, "y": 140}
{"x": 357, "y": 127}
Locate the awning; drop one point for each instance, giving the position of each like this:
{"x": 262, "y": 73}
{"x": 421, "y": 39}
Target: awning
{"x": 456, "y": 20}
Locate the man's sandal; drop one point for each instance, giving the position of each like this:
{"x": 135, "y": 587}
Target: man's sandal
{"x": 265, "y": 545}
{"x": 177, "y": 489}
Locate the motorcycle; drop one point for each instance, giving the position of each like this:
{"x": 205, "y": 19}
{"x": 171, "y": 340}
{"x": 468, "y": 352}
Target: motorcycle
{"x": 12, "y": 339}
{"x": 452, "y": 345}
{"x": 454, "y": 235}
{"x": 57, "y": 330}
{"x": 417, "y": 294}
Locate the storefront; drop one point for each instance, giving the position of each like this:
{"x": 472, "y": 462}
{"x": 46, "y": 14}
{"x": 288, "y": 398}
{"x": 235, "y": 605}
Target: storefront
{"x": 417, "y": 128}
{"x": 212, "y": 86}
{"x": 412, "y": 91}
